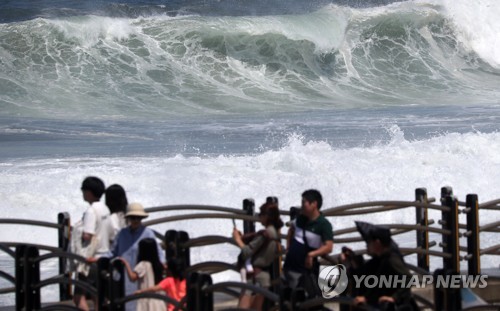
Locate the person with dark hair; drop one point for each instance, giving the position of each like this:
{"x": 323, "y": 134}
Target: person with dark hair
{"x": 310, "y": 236}
{"x": 94, "y": 233}
{"x": 116, "y": 200}
{"x": 174, "y": 285}
{"x": 94, "y": 185}
{"x": 148, "y": 271}
{"x": 386, "y": 261}
{"x": 258, "y": 251}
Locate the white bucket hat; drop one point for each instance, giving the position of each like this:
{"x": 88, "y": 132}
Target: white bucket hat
{"x": 136, "y": 209}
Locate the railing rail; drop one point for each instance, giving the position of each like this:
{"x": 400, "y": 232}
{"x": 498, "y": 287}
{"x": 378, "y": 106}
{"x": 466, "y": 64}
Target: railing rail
{"x": 376, "y": 207}
{"x": 199, "y": 216}
{"x": 13, "y": 221}
{"x": 450, "y": 230}
{"x": 185, "y": 207}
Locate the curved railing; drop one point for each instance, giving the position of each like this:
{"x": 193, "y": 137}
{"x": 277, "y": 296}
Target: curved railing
{"x": 63, "y": 229}
{"x": 378, "y": 207}
{"x": 185, "y": 207}
{"x": 199, "y": 216}
{"x": 450, "y": 229}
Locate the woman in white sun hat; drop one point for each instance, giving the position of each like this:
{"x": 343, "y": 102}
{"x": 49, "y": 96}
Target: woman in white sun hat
{"x": 126, "y": 244}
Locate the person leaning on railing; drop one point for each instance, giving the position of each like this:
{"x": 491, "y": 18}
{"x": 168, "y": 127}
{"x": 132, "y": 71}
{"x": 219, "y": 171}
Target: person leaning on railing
{"x": 94, "y": 239}
{"x": 310, "y": 236}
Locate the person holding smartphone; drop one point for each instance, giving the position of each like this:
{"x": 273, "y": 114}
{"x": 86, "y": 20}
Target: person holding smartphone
{"x": 258, "y": 251}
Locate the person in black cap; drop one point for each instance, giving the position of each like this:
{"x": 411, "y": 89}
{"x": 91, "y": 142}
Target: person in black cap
{"x": 386, "y": 261}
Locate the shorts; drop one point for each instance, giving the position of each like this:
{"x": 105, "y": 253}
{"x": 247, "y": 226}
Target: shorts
{"x": 262, "y": 279}
{"x": 292, "y": 278}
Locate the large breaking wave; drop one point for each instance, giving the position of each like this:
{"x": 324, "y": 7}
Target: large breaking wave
{"x": 424, "y": 53}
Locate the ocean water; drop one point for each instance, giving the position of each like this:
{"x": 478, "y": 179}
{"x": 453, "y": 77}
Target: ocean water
{"x": 215, "y": 101}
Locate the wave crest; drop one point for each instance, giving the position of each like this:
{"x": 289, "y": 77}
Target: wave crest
{"x": 403, "y": 54}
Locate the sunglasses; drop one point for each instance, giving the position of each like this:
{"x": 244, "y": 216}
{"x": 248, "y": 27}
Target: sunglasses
{"x": 134, "y": 217}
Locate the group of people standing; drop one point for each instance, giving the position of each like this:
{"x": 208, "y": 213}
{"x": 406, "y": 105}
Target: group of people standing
{"x": 114, "y": 229}
{"x": 310, "y": 236}
{"x": 117, "y": 231}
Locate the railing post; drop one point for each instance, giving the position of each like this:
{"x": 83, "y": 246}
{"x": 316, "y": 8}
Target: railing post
{"x": 294, "y": 212}
{"x": 473, "y": 246}
{"x": 272, "y": 200}
{"x": 117, "y": 285}
{"x": 451, "y": 266}
{"x": 184, "y": 252}
{"x": 275, "y": 270}
{"x": 174, "y": 247}
{"x": 207, "y": 297}
{"x": 451, "y": 242}
{"x": 170, "y": 244}
{"x": 64, "y": 233}
{"x": 446, "y": 298}
{"x": 439, "y": 294}
{"x": 103, "y": 282}
{"x": 445, "y": 192}
{"x": 192, "y": 292}
{"x": 19, "y": 273}
{"x": 249, "y": 208}
{"x": 422, "y": 236}
{"x": 275, "y": 273}
{"x": 197, "y": 299}
{"x": 174, "y": 250}
{"x": 31, "y": 279}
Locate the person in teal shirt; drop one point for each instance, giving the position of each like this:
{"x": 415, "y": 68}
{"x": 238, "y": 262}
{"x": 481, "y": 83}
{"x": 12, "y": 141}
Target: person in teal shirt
{"x": 310, "y": 236}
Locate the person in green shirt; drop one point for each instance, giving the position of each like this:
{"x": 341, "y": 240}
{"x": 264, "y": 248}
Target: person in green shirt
{"x": 309, "y": 236}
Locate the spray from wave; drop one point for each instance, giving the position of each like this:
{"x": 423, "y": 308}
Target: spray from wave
{"x": 477, "y": 27}
{"x": 385, "y": 171}
{"x": 388, "y": 170}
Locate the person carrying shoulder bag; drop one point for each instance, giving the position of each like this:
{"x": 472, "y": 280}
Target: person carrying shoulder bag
{"x": 310, "y": 236}
{"x": 90, "y": 237}
{"x": 258, "y": 252}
